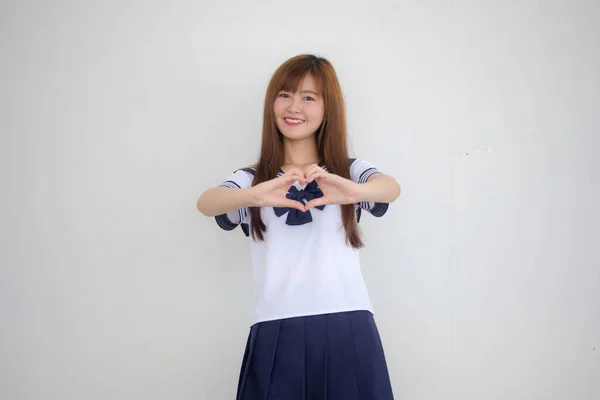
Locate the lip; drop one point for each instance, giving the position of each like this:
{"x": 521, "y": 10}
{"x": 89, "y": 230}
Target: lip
{"x": 292, "y": 124}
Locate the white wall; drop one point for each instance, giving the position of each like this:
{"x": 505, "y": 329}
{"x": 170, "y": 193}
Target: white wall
{"x": 116, "y": 115}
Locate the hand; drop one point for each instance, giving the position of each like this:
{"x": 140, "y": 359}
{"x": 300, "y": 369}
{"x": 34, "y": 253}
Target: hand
{"x": 273, "y": 193}
{"x": 336, "y": 190}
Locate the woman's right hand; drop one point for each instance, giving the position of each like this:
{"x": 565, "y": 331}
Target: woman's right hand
{"x": 273, "y": 193}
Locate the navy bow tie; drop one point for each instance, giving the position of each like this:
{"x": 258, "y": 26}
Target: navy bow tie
{"x": 295, "y": 216}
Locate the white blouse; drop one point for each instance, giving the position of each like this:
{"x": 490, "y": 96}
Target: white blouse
{"x": 304, "y": 265}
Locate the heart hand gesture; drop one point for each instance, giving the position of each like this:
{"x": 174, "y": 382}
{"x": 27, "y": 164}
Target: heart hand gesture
{"x": 273, "y": 193}
{"x": 336, "y": 190}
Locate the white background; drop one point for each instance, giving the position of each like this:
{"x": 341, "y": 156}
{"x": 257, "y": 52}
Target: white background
{"x": 116, "y": 115}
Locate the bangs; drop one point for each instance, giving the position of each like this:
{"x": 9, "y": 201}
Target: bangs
{"x": 295, "y": 74}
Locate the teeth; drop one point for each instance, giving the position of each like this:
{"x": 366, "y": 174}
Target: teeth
{"x": 294, "y": 121}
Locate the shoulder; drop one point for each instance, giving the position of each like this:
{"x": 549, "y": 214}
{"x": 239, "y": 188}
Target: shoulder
{"x": 248, "y": 170}
{"x": 361, "y": 170}
{"x": 356, "y": 162}
{"x": 240, "y": 178}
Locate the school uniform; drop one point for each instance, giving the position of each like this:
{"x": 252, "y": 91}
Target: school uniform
{"x": 313, "y": 336}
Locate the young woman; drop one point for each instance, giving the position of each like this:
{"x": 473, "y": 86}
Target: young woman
{"x": 313, "y": 334}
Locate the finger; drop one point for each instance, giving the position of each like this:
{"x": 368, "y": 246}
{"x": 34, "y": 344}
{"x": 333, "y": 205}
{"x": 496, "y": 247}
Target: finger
{"x": 321, "y": 201}
{"x": 319, "y": 175}
{"x": 295, "y": 204}
{"x": 293, "y": 171}
{"x": 311, "y": 172}
{"x": 289, "y": 179}
{"x": 313, "y": 168}
{"x": 297, "y": 173}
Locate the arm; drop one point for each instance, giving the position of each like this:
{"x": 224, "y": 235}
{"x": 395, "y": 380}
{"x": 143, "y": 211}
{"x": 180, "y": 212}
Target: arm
{"x": 220, "y": 200}
{"x": 238, "y": 193}
{"x": 371, "y": 189}
{"x": 379, "y": 188}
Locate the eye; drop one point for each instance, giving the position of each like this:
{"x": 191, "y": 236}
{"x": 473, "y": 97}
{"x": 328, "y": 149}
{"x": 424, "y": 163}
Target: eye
{"x": 309, "y": 98}
{"x": 284, "y": 95}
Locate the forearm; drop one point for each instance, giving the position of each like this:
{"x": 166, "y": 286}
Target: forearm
{"x": 379, "y": 188}
{"x": 220, "y": 200}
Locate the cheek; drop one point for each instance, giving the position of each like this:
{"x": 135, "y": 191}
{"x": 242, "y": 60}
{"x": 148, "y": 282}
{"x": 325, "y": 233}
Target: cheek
{"x": 317, "y": 113}
{"x": 278, "y": 107}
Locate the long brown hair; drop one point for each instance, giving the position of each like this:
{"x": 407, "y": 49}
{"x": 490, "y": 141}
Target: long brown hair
{"x": 330, "y": 137}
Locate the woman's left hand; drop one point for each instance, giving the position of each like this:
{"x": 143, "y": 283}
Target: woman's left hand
{"x": 336, "y": 190}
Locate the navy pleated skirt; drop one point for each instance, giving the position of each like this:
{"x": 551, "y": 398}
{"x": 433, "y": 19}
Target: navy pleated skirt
{"x": 323, "y": 357}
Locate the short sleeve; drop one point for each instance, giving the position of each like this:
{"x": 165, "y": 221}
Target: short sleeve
{"x": 360, "y": 172}
{"x": 240, "y": 179}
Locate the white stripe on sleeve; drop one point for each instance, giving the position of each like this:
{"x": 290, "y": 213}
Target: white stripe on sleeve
{"x": 360, "y": 172}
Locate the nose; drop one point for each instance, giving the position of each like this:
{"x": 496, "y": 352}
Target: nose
{"x": 294, "y": 105}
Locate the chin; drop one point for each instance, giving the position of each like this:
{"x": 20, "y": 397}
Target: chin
{"x": 296, "y": 135}
{"x": 293, "y": 133}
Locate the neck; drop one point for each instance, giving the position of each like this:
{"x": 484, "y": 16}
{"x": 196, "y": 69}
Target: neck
{"x": 300, "y": 152}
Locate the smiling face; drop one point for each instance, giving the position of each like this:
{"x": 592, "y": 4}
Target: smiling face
{"x": 299, "y": 114}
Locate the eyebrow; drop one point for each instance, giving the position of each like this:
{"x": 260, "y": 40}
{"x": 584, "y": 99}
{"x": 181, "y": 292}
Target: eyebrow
{"x": 310, "y": 91}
